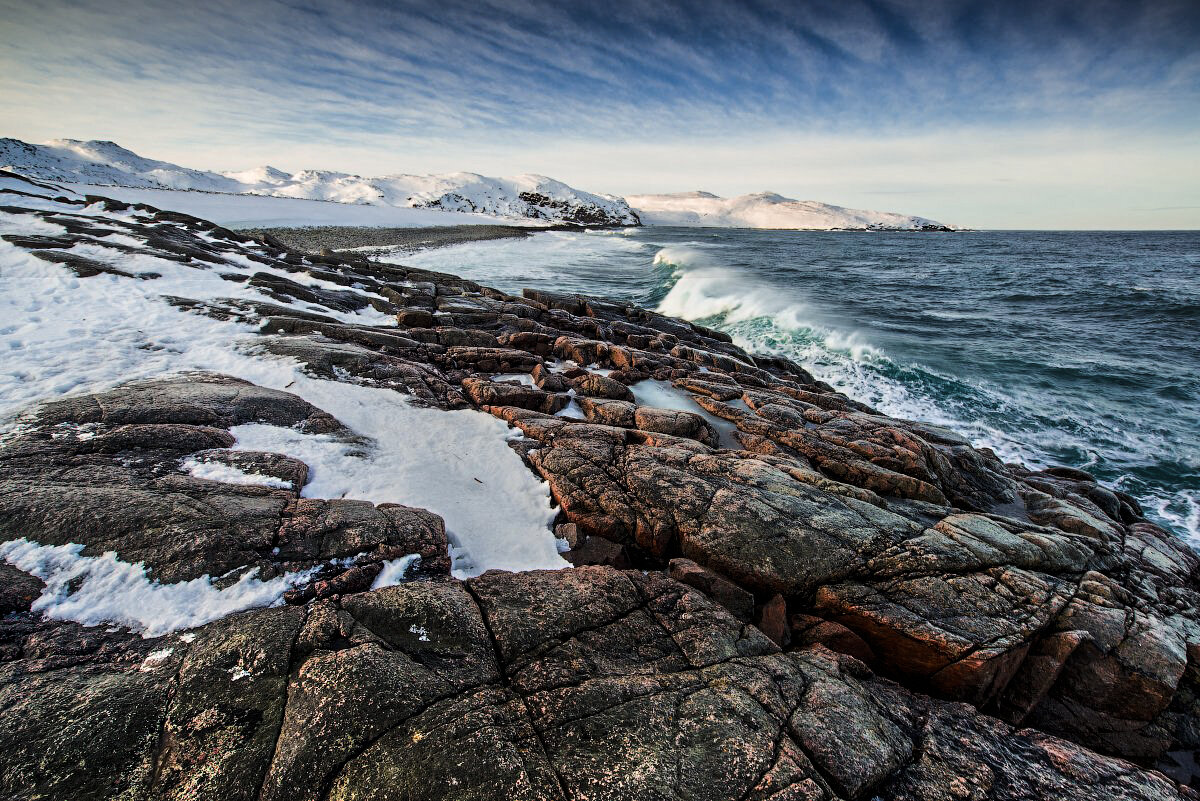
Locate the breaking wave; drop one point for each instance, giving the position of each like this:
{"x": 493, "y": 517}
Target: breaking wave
{"x": 1048, "y": 348}
{"x": 1018, "y": 423}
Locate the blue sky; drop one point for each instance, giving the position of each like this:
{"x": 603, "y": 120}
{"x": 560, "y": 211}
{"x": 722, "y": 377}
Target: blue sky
{"x": 990, "y": 114}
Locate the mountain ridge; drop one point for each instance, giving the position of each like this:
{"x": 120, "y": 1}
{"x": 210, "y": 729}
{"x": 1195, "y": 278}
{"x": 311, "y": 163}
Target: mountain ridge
{"x": 769, "y": 210}
{"x": 528, "y": 196}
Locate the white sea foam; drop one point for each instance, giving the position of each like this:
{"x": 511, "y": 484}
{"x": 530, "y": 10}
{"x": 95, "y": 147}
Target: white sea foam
{"x": 111, "y": 591}
{"x": 395, "y": 570}
{"x": 228, "y": 474}
{"x": 732, "y": 296}
{"x": 1181, "y": 511}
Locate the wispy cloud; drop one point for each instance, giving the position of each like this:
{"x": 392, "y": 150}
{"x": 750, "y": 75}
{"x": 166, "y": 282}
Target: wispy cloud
{"x": 384, "y": 86}
{"x": 534, "y": 66}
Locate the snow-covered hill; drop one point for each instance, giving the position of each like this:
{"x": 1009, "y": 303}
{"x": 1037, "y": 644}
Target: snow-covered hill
{"x": 525, "y": 197}
{"x": 767, "y": 210}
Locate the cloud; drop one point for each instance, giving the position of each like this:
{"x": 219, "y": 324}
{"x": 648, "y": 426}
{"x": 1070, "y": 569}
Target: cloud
{"x": 546, "y": 67}
{"x": 387, "y": 86}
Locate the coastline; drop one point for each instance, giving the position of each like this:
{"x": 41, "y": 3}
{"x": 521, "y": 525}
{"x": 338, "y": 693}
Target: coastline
{"x": 343, "y": 238}
{"x": 760, "y": 563}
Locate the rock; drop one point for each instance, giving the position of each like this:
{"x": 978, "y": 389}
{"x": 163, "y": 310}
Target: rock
{"x": 809, "y": 630}
{"x": 773, "y": 622}
{"x": 414, "y": 318}
{"x": 483, "y": 392}
{"x": 718, "y": 588}
{"x": 595, "y": 385}
{"x": 18, "y": 589}
{"x": 596, "y": 550}
{"x": 211, "y": 400}
{"x": 676, "y": 423}
{"x": 104, "y": 471}
{"x": 608, "y": 412}
{"x": 589, "y": 682}
{"x": 224, "y": 715}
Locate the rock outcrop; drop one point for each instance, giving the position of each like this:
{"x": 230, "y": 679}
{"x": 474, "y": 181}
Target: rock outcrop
{"x": 781, "y": 593}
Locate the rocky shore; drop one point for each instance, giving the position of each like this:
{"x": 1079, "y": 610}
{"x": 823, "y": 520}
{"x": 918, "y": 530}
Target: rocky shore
{"x": 778, "y": 592}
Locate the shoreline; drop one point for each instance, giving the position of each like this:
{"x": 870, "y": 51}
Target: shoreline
{"x": 776, "y": 562}
{"x": 344, "y": 238}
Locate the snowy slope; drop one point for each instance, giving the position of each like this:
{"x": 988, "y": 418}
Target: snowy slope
{"x": 269, "y": 211}
{"x": 536, "y": 197}
{"x": 767, "y": 210}
{"x": 104, "y": 164}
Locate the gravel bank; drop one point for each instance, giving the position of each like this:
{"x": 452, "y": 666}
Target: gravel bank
{"x": 317, "y": 238}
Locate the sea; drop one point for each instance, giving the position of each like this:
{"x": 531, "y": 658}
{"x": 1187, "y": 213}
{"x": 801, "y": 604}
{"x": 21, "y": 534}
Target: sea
{"x": 1051, "y": 348}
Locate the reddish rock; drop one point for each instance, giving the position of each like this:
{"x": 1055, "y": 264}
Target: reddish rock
{"x": 715, "y": 586}
{"x": 414, "y": 318}
{"x": 773, "y": 622}
{"x": 809, "y": 630}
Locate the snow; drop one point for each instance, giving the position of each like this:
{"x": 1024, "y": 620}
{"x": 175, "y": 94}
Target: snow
{"x": 394, "y": 570}
{"x": 113, "y": 591}
{"x": 61, "y": 334}
{"x": 523, "y": 378}
{"x": 262, "y": 211}
{"x": 764, "y": 210}
{"x": 99, "y": 164}
{"x": 228, "y": 474}
{"x": 154, "y": 659}
{"x": 455, "y": 464}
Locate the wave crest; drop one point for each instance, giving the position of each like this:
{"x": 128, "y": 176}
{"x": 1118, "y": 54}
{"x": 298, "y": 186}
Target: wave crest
{"x": 718, "y": 292}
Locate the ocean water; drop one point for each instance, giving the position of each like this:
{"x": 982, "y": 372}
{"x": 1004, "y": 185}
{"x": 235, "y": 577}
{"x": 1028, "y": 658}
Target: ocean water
{"x": 1067, "y": 348}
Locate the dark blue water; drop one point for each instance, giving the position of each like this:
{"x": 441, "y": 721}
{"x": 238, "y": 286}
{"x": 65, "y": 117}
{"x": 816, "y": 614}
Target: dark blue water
{"x": 1072, "y": 348}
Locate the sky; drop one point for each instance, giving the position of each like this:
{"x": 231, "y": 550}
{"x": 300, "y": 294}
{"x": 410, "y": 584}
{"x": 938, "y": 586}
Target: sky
{"x": 1009, "y": 114}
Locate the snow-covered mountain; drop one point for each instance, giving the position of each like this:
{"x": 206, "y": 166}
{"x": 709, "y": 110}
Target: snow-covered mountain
{"x": 536, "y": 197}
{"x": 523, "y": 197}
{"x": 768, "y": 210}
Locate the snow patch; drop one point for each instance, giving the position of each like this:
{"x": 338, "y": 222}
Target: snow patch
{"x": 65, "y": 335}
{"x": 155, "y": 658}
